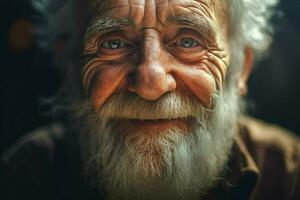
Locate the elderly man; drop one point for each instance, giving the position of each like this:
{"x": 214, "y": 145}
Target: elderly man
{"x": 153, "y": 93}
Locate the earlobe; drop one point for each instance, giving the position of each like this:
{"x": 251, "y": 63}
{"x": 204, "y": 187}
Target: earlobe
{"x": 243, "y": 78}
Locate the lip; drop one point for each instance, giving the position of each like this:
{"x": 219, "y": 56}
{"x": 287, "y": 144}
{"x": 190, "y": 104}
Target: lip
{"x": 158, "y": 124}
{"x": 156, "y": 121}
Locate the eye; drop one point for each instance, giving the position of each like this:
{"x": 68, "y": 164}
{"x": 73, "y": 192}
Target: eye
{"x": 113, "y": 44}
{"x": 188, "y": 43}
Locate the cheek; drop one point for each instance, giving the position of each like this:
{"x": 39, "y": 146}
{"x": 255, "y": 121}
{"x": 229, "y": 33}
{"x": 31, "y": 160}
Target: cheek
{"x": 104, "y": 81}
{"x": 216, "y": 64}
{"x": 204, "y": 76}
{"x": 199, "y": 82}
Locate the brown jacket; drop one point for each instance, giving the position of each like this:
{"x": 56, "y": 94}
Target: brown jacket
{"x": 264, "y": 165}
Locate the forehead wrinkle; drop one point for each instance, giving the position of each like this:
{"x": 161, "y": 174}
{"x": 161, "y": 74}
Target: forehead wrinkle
{"x": 201, "y": 24}
{"x": 194, "y": 3}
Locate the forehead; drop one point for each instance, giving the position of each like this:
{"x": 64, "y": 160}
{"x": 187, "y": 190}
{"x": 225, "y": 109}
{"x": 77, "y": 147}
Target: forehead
{"x": 208, "y": 17}
{"x": 159, "y": 8}
{"x": 109, "y": 3}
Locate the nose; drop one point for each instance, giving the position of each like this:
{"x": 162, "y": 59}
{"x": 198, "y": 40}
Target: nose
{"x": 151, "y": 78}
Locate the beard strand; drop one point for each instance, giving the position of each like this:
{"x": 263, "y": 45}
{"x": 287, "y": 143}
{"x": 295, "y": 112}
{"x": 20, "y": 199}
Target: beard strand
{"x": 167, "y": 164}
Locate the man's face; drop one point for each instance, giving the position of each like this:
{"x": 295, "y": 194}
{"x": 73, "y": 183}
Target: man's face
{"x": 152, "y": 70}
{"x": 152, "y": 47}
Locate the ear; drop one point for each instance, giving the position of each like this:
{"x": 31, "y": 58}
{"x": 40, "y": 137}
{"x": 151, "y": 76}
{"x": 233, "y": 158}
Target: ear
{"x": 243, "y": 78}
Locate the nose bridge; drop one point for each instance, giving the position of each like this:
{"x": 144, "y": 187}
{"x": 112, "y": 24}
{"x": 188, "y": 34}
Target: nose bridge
{"x": 151, "y": 47}
{"x": 150, "y": 67}
{"x": 151, "y": 77}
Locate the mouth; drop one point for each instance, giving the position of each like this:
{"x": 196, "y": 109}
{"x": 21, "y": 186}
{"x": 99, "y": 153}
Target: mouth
{"x": 157, "y": 121}
{"x": 158, "y": 124}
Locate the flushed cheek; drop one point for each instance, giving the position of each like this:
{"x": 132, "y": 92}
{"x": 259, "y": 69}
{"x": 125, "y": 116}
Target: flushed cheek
{"x": 204, "y": 75}
{"x": 214, "y": 65}
{"x": 200, "y": 83}
{"x": 104, "y": 82}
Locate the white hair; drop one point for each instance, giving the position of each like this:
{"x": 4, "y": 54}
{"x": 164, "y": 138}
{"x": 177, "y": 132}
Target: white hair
{"x": 249, "y": 26}
{"x": 157, "y": 164}
{"x": 249, "y": 22}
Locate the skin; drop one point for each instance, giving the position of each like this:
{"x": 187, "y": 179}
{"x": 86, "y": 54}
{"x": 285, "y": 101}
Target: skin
{"x": 157, "y": 51}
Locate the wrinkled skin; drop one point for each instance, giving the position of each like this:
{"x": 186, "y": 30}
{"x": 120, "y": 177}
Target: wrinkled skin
{"x": 153, "y": 54}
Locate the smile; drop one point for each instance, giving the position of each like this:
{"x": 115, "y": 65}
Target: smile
{"x": 158, "y": 124}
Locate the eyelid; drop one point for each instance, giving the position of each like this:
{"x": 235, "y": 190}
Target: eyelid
{"x": 110, "y": 38}
{"x": 111, "y": 35}
{"x": 177, "y": 39}
{"x": 188, "y": 37}
{"x": 192, "y": 30}
{"x": 193, "y": 35}
{"x": 187, "y": 33}
{"x": 106, "y": 44}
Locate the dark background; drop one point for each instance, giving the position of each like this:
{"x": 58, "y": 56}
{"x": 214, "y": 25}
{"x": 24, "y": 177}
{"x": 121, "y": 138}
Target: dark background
{"x": 28, "y": 75}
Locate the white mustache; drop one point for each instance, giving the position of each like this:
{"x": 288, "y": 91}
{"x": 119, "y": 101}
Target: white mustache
{"x": 170, "y": 106}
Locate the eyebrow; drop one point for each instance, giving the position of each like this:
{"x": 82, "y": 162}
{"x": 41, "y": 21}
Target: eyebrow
{"x": 200, "y": 24}
{"x": 105, "y": 25}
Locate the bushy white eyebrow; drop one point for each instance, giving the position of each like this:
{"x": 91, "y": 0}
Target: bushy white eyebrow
{"x": 199, "y": 23}
{"x": 105, "y": 25}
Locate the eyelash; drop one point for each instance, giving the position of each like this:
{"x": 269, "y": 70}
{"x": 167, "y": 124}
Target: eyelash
{"x": 179, "y": 42}
{"x": 108, "y": 43}
{"x": 175, "y": 43}
{"x": 105, "y": 43}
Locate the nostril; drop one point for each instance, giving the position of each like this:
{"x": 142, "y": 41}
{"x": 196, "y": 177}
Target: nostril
{"x": 131, "y": 82}
{"x": 131, "y": 79}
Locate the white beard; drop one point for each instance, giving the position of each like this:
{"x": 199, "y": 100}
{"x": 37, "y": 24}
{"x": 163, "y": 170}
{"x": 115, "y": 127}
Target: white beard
{"x": 168, "y": 164}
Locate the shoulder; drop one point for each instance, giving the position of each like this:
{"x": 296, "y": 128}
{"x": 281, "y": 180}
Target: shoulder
{"x": 38, "y": 143}
{"x": 28, "y": 164}
{"x": 276, "y": 152}
{"x": 270, "y": 137}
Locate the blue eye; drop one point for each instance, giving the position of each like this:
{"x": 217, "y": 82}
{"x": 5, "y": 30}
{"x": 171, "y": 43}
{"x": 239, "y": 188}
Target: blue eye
{"x": 188, "y": 43}
{"x": 113, "y": 44}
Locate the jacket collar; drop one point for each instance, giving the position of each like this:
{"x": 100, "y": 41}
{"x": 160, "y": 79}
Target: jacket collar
{"x": 241, "y": 174}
